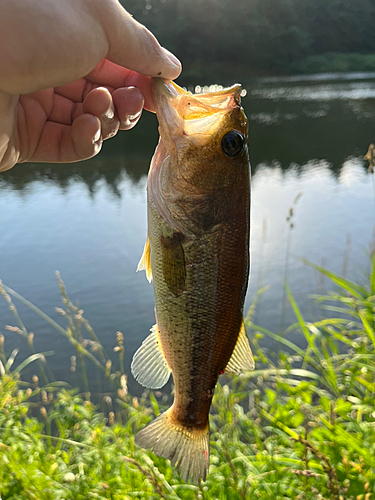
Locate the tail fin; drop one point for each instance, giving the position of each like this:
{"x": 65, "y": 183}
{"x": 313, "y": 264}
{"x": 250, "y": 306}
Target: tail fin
{"x": 187, "y": 449}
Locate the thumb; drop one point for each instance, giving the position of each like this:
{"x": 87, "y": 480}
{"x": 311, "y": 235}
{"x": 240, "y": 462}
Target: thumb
{"x": 133, "y": 46}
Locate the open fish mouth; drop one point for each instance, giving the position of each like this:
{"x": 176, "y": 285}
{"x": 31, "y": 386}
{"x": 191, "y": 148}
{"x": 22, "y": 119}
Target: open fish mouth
{"x": 182, "y": 114}
{"x": 193, "y": 126}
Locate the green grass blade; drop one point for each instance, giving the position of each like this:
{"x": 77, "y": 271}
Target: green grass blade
{"x": 287, "y": 343}
{"x": 372, "y": 276}
{"x": 55, "y": 325}
{"x": 349, "y": 286}
{"x": 279, "y": 424}
{"x": 351, "y": 441}
{"x": 299, "y": 316}
{"x": 279, "y": 338}
{"x": 32, "y": 358}
{"x": 11, "y": 359}
{"x": 39, "y": 312}
{"x": 298, "y": 372}
{"x": 367, "y": 326}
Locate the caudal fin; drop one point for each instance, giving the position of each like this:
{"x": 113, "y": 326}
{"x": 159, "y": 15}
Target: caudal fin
{"x": 187, "y": 449}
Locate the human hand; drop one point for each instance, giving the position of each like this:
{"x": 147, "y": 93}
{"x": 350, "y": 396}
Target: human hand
{"x": 74, "y": 73}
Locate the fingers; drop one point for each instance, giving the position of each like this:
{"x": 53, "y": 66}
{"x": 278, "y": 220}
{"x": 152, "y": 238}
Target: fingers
{"x": 61, "y": 143}
{"x": 103, "y": 114}
{"x": 132, "y": 46}
{"x": 122, "y": 109}
{"x": 110, "y": 74}
{"x": 144, "y": 85}
{"x": 69, "y": 138}
{"x": 86, "y": 137}
{"x": 99, "y": 103}
{"x": 128, "y": 104}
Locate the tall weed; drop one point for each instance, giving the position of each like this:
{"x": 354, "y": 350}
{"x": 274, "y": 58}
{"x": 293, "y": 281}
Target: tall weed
{"x": 301, "y": 426}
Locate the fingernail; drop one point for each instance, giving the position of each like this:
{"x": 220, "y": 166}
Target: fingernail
{"x": 109, "y": 115}
{"x": 96, "y": 137}
{"x": 131, "y": 119}
{"x": 172, "y": 58}
{"x": 134, "y": 117}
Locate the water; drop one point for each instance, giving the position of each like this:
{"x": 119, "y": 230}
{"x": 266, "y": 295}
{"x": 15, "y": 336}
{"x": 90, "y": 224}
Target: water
{"x": 88, "y": 220}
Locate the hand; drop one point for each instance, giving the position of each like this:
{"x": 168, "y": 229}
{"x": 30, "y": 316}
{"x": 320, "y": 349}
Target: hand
{"x": 74, "y": 72}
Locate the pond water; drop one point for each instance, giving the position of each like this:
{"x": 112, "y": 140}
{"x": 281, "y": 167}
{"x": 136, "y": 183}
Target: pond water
{"x": 308, "y": 137}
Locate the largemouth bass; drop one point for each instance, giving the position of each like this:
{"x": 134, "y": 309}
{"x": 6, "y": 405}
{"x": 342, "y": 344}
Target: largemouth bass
{"x": 197, "y": 254}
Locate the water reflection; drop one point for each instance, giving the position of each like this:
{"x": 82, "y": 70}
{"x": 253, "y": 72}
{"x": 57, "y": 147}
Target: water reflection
{"x": 352, "y": 173}
{"x": 329, "y": 209}
{"x": 290, "y": 124}
{"x": 326, "y": 92}
{"x": 318, "y": 77}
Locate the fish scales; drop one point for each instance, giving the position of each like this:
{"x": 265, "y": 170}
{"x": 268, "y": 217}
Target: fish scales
{"x": 198, "y": 254}
{"x": 197, "y": 336}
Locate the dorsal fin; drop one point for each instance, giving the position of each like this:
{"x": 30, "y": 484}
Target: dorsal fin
{"x": 145, "y": 262}
{"x": 242, "y": 358}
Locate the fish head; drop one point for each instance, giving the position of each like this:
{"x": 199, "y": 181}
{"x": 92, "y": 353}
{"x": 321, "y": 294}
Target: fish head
{"x": 203, "y": 135}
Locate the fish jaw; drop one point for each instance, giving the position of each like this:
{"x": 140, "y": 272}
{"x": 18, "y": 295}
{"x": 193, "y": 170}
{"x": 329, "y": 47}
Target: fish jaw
{"x": 196, "y": 117}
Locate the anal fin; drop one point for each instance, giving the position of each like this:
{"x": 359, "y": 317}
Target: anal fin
{"x": 145, "y": 262}
{"x": 242, "y": 358}
{"x": 149, "y": 366}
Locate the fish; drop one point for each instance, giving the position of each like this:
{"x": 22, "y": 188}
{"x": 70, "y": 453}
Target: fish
{"x": 197, "y": 256}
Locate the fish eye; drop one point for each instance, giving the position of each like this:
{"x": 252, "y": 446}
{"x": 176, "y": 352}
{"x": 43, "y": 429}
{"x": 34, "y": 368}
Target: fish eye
{"x": 232, "y": 144}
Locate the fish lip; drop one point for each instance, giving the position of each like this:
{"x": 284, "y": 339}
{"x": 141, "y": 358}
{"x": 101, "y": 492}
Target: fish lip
{"x": 166, "y": 88}
{"x": 170, "y": 89}
{"x": 166, "y": 92}
{"x": 169, "y": 121}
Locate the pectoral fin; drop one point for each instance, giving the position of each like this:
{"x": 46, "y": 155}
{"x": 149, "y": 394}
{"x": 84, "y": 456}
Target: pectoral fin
{"x": 149, "y": 366}
{"x": 145, "y": 262}
{"x": 242, "y": 358}
{"x": 174, "y": 268}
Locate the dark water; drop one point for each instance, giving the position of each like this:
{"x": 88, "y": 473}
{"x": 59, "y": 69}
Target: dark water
{"x": 88, "y": 220}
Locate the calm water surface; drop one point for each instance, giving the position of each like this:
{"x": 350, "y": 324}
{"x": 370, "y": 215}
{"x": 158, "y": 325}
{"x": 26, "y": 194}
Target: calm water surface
{"x": 307, "y": 141}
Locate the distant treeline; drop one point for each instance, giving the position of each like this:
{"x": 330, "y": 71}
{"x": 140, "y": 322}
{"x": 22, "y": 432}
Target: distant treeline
{"x": 262, "y": 36}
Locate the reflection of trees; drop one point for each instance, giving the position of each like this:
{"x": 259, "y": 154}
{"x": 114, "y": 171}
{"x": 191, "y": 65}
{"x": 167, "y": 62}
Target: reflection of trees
{"x": 334, "y": 136}
{"x": 91, "y": 172}
{"x": 299, "y": 131}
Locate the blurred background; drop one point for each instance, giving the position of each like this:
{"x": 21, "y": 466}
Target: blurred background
{"x": 306, "y": 66}
{"x": 236, "y": 40}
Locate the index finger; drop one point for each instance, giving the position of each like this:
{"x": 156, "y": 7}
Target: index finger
{"x": 110, "y": 74}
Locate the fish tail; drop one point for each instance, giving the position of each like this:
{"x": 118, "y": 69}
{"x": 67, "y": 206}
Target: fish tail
{"x": 187, "y": 449}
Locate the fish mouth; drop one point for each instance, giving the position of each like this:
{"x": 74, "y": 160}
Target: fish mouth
{"x": 196, "y": 117}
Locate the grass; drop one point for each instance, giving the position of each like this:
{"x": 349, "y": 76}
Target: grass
{"x": 301, "y": 426}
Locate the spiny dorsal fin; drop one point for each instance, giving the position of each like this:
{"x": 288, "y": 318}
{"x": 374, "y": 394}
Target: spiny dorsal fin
{"x": 149, "y": 366}
{"x": 242, "y": 358}
{"x": 186, "y": 448}
{"x": 145, "y": 262}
